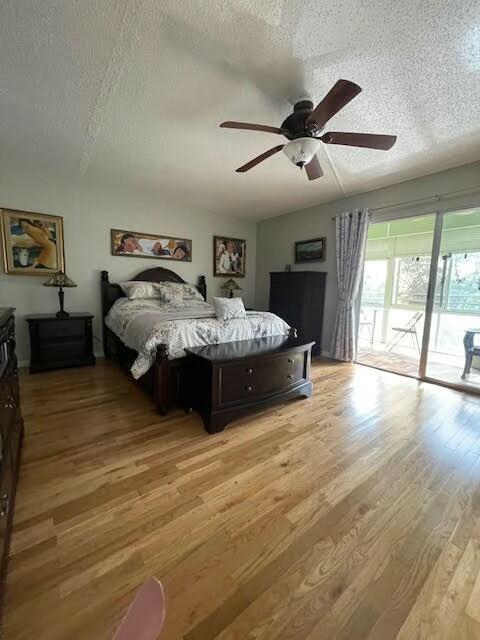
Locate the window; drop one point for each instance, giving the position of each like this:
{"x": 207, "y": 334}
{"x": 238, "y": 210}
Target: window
{"x": 462, "y": 288}
{"x": 411, "y": 281}
{"x": 374, "y": 281}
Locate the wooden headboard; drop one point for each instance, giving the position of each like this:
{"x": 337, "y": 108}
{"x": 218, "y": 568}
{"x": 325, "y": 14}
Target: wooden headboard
{"x": 112, "y": 292}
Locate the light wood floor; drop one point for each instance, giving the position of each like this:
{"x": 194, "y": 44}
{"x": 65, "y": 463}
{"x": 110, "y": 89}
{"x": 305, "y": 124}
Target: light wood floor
{"x": 355, "y": 514}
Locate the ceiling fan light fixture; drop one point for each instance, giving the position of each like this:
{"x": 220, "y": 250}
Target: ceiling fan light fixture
{"x": 301, "y": 150}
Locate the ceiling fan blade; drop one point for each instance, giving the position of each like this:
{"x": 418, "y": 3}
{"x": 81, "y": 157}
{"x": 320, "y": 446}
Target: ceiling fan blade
{"x": 260, "y": 158}
{"x": 339, "y": 95}
{"x": 313, "y": 169}
{"x": 368, "y": 140}
{"x": 253, "y": 127}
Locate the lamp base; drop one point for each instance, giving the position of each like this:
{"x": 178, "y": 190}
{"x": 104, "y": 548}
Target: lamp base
{"x": 61, "y": 314}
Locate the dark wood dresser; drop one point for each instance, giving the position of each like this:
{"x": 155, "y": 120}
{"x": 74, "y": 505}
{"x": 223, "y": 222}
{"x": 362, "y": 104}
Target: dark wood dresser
{"x": 56, "y": 343}
{"x": 299, "y": 297}
{"x": 225, "y": 381}
{"x": 11, "y": 432}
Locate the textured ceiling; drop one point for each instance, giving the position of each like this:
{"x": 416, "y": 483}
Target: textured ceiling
{"x": 133, "y": 91}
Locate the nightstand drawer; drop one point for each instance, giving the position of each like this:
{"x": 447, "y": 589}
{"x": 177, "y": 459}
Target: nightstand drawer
{"x": 58, "y": 352}
{"x": 61, "y": 329}
{"x": 60, "y": 342}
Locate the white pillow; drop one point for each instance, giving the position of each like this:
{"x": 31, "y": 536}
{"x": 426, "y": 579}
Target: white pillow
{"x": 229, "y": 308}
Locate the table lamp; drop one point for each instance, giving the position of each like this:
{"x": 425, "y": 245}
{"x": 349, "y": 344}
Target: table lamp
{"x": 60, "y": 280}
{"x": 231, "y": 286}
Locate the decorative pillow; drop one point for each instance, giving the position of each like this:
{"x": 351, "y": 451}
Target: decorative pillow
{"x": 135, "y": 289}
{"x": 229, "y": 308}
{"x": 188, "y": 291}
{"x": 171, "y": 293}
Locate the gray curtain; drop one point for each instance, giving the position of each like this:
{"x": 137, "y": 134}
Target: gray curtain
{"x": 351, "y": 237}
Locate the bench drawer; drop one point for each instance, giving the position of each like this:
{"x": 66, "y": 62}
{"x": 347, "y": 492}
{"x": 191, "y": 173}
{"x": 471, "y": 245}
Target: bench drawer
{"x": 243, "y": 380}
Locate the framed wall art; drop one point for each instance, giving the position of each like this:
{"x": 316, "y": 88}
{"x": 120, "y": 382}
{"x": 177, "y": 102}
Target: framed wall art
{"x": 146, "y": 245}
{"x": 32, "y": 243}
{"x": 310, "y": 250}
{"x": 229, "y": 257}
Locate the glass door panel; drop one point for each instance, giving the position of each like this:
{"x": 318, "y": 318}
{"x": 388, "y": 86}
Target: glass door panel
{"x": 454, "y": 346}
{"x": 394, "y": 294}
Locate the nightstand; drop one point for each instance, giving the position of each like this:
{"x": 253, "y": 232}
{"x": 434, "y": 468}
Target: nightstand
{"x": 60, "y": 342}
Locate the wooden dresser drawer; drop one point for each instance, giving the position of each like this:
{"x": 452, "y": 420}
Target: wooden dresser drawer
{"x": 11, "y": 432}
{"x": 239, "y": 381}
{"x": 61, "y": 329}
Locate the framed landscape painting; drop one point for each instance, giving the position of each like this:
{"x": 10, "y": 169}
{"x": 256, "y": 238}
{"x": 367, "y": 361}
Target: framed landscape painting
{"x": 32, "y": 243}
{"x": 146, "y": 245}
{"x": 229, "y": 257}
{"x": 310, "y": 250}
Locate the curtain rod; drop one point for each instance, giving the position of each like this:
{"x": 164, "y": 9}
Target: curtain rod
{"x": 435, "y": 198}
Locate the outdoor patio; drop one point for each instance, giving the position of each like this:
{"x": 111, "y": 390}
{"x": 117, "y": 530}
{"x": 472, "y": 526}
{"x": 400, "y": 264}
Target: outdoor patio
{"x": 379, "y": 345}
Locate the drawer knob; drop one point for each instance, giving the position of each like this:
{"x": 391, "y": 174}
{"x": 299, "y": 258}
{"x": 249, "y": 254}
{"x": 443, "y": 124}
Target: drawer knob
{"x": 291, "y": 361}
{"x": 248, "y": 388}
{"x": 4, "y": 510}
{"x": 290, "y": 376}
{"x": 249, "y": 370}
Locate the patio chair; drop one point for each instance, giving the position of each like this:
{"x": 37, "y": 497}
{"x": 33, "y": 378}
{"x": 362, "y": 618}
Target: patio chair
{"x": 409, "y": 329}
{"x": 365, "y": 323}
{"x": 471, "y": 349}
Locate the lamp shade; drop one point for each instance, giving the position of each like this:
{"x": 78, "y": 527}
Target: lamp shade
{"x": 59, "y": 279}
{"x": 301, "y": 150}
{"x": 231, "y": 285}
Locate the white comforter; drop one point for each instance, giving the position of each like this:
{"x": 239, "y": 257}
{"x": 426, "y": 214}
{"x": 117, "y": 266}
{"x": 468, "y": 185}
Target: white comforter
{"x": 144, "y": 324}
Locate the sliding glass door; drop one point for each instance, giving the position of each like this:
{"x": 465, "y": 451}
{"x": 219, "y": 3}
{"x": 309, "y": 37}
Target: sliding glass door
{"x": 420, "y": 299}
{"x": 394, "y": 294}
{"x": 453, "y": 350}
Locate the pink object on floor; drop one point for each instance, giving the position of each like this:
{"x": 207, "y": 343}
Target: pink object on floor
{"x": 145, "y": 616}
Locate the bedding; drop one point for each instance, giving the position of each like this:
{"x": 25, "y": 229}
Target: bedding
{"x": 144, "y": 324}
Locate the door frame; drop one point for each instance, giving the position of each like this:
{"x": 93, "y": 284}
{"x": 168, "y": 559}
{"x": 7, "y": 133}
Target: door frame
{"x": 432, "y": 284}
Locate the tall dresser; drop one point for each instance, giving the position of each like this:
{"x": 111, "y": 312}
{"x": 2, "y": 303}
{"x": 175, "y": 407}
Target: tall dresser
{"x": 299, "y": 297}
{"x": 11, "y": 433}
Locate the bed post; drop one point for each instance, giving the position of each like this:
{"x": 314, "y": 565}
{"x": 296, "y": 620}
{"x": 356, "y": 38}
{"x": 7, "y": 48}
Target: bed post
{"x": 202, "y": 286}
{"x": 105, "y": 284}
{"x": 161, "y": 379}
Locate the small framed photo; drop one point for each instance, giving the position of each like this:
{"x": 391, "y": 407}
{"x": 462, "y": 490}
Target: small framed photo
{"x": 310, "y": 250}
{"x": 229, "y": 256}
{"x": 32, "y": 243}
{"x": 146, "y": 245}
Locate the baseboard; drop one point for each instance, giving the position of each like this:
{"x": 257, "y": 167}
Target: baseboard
{"x": 22, "y": 364}
{"x": 326, "y": 354}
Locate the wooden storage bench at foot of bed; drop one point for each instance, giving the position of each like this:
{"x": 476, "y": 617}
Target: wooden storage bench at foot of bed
{"x": 225, "y": 381}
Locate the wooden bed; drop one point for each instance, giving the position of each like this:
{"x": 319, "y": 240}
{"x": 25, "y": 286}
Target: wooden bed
{"x": 165, "y": 380}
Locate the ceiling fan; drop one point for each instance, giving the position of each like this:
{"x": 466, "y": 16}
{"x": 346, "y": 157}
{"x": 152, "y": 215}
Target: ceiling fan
{"x": 304, "y": 130}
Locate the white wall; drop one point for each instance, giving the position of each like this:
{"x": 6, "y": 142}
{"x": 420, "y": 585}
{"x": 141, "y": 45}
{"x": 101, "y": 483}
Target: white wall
{"x": 276, "y": 236}
{"x": 90, "y": 211}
